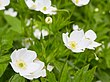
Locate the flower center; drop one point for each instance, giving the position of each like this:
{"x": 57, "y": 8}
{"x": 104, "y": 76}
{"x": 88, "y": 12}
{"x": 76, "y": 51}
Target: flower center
{"x": 44, "y": 8}
{"x": 73, "y": 44}
{"x": 77, "y": 1}
{"x": 21, "y": 64}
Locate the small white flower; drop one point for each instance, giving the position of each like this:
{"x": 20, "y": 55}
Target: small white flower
{"x": 76, "y": 41}
{"x": 44, "y": 33}
{"x": 75, "y": 27}
{"x": 91, "y": 36}
{"x": 80, "y": 2}
{"x": 10, "y": 12}
{"x": 24, "y": 62}
{"x": 48, "y": 20}
{"x": 27, "y": 42}
{"x": 50, "y": 67}
{"x": 37, "y": 33}
{"x": 4, "y": 3}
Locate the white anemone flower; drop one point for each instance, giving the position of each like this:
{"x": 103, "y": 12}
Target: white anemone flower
{"x": 40, "y": 71}
{"x": 32, "y": 5}
{"x": 10, "y": 12}
{"x": 90, "y": 35}
{"x": 76, "y": 41}
{"x": 80, "y": 2}
{"x": 24, "y": 62}
{"x": 4, "y": 3}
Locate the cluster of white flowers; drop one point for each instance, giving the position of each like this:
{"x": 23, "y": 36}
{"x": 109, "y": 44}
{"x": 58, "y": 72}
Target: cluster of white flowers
{"x": 41, "y": 5}
{"x": 4, "y": 3}
{"x": 79, "y": 41}
{"x": 40, "y": 33}
{"x": 10, "y": 12}
{"x": 80, "y": 2}
{"x": 25, "y": 63}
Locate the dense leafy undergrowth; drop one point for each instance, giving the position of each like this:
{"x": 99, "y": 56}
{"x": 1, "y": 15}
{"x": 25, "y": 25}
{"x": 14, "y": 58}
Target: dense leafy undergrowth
{"x": 87, "y": 66}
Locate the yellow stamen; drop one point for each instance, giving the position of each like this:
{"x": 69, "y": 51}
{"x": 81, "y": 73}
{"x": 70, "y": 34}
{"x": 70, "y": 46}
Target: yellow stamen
{"x": 73, "y": 44}
{"x": 44, "y": 8}
{"x": 21, "y": 64}
{"x": 77, "y": 1}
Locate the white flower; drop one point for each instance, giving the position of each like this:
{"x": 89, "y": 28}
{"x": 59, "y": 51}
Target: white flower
{"x": 44, "y": 33}
{"x": 91, "y": 36}
{"x": 4, "y": 3}
{"x": 76, "y": 41}
{"x": 80, "y": 2}
{"x": 48, "y": 20}
{"x": 10, "y": 12}
{"x": 24, "y": 62}
{"x": 50, "y": 67}
{"x": 32, "y": 5}
{"x": 27, "y": 42}
{"x": 37, "y": 33}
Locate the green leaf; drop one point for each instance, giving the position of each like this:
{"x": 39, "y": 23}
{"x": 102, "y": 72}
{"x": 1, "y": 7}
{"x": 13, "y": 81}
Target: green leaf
{"x": 4, "y": 58}
{"x": 84, "y": 75}
{"x": 3, "y": 68}
{"x": 15, "y": 23}
{"x": 35, "y": 81}
{"x": 64, "y": 74}
{"x": 17, "y": 78}
{"x": 51, "y": 77}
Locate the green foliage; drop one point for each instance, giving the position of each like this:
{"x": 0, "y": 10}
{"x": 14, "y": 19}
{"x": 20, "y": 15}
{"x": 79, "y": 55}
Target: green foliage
{"x": 68, "y": 66}
{"x": 17, "y": 78}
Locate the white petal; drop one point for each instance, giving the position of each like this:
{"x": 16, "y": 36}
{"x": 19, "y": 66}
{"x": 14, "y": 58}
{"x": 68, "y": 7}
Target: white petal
{"x": 37, "y": 33}
{"x": 14, "y": 67}
{"x": 2, "y": 7}
{"x": 80, "y": 2}
{"x": 90, "y": 34}
{"x": 65, "y": 38}
{"x": 44, "y": 33}
{"x": 49, "y": 67}
{"x": 4, "y": 2}
{"x": 76, "y": 36}
{"x": 14, "y": 56}
{"x": 26, "y": 55}
{"x": 93, "y": 45}
{"x": 77, "y": 50}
